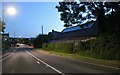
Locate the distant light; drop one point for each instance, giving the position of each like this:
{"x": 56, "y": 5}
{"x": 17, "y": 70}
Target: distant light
{"x": 11, "y": 10}
{"x": 5, "y": 39}
{"x": 20, "y": 36}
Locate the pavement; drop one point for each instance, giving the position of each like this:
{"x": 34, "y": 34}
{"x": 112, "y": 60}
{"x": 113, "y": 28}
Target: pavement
{"x": 26, "y": 60}
{"x": 6, "y": 53}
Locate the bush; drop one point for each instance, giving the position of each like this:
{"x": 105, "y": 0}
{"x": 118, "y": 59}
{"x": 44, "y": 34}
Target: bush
{"x": 60, "y": 47}
{"x": 104, "y": 47}
{"x": 7, "y": 44}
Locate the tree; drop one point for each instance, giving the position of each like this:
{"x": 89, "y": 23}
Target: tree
{"x": 74, "y": 13}
{"x": 2, "y": 26}
{"x": 37, "y": 43}
{"x": 113, "y": 18}
{"x": 103, "y": 11}
{"x": 69, "y": 13}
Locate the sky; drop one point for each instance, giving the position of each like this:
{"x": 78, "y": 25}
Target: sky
{"x": 30, "y": 17}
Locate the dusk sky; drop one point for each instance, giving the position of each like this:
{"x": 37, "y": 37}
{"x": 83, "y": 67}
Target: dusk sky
{"x": 30, "y": 17}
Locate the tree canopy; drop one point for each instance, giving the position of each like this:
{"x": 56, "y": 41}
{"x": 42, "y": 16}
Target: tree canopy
{"x": 107, "y": 14}
{"x": 2, "y": 26}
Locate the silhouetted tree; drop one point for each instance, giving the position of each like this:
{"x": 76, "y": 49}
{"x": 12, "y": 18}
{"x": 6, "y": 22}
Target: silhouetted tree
{"x": 113, "y": 24}
{"x": 2, "y": 26}
{"x": 78, "y": 12}
{"x": 37, "y": 43}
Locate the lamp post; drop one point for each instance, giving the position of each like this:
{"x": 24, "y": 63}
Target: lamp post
{"x": 10, "y": 11}
{"x": 3, "y": 24}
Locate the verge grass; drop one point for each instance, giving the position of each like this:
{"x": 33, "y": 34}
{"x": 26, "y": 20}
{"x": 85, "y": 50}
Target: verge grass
{"x": 112, "y": 63}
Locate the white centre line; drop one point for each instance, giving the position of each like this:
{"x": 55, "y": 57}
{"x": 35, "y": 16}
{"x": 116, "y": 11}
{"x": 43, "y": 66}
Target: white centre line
{"x": 45, "y": 63}
{"x": 38, "y": 62}
{"x": 6, "y": 57}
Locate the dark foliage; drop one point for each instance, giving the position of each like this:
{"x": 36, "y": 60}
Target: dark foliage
{"x": 37, "y": 43}
{"x": 106, "y": 13}
{"x": 104, "y": 47}
{"x": 7, "y": 44}
{"x": 2, "y": 24}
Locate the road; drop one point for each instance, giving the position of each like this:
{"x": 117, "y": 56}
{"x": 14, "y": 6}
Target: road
{"x": 27, "y": 60}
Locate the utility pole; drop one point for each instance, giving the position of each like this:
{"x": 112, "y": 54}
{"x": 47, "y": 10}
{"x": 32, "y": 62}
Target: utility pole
{"x": 14, "y": 39}
{"x": 42, "y": 29}
{"x": 14, "y": 34}
{"x": 42, "y": 35}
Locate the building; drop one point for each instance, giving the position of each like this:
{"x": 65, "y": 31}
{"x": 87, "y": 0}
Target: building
{"x": 53, "y": 35}
{"x": 77, "y": 33}
{"x": 5, "y": 41}
{"x": 5, "y": 36}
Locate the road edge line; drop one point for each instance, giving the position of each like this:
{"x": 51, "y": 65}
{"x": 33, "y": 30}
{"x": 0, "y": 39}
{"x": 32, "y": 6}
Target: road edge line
{"x": 45, "y": 63}
{"x": 6, "y": 57}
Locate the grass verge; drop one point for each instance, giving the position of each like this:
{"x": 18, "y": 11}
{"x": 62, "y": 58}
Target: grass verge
{"x": 112, "y": 63}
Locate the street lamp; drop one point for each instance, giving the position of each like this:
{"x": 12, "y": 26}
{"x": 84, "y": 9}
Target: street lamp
{"x": 9, "y": 11}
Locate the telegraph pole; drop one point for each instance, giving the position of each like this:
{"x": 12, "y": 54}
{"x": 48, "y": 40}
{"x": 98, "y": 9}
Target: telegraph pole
{"x": 42, "y": 29}
{"x": 42, "y": 35}
{"x": 14, "y": 39}
{"x": 14, "y": 35}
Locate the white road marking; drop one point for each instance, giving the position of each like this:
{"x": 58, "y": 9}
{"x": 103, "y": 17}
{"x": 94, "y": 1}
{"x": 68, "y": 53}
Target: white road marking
{"x": 6, "y": 57}
{"x": 45, "y": 63}
{"x": 38, "y": 62}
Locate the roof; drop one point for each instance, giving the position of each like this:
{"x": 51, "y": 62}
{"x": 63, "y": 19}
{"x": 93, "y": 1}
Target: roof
{"x": 5, "y": 34}
{"x": 78, "y": 27}
{"x": 76, "y": 31}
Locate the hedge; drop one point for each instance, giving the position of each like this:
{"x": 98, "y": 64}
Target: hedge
{"x": 103, "y": 47}
{"x": 61, "y": 47}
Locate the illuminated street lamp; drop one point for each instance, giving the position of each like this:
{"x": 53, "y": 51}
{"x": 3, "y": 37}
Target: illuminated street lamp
{"x": 9, "y": 11}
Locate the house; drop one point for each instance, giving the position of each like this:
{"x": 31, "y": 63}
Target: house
{"x": 77, "y": 33}
{"x": 5, "y": 36}
{"x": 5, "y": 40}
{"x": 52, "y": 35}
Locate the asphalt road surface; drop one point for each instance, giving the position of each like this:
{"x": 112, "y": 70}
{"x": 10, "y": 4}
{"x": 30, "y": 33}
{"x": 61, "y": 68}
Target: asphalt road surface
{"x": 27, "y": 60}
